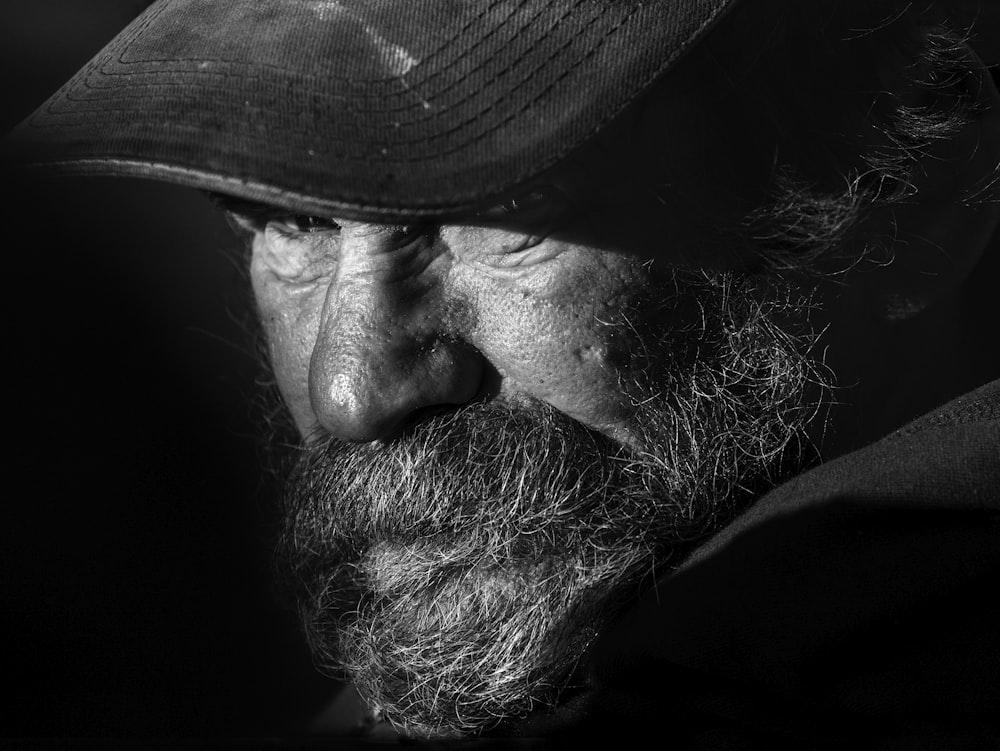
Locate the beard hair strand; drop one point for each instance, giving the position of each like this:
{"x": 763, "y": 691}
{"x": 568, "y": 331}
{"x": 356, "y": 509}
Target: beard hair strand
{"x": 458, "y": 574}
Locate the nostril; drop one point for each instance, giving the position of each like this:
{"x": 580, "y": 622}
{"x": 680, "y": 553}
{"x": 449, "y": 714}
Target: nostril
{"x": 383, "y": 406}
{"x": 489, "y": 389}
{"x": 375, "y": 388}
{"x": 490, "y": 383}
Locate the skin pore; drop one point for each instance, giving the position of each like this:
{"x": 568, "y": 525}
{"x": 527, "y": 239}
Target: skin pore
{"x": 511, "y": 419}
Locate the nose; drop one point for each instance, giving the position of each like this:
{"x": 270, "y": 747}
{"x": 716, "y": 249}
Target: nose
{"x": 388, "y": 343}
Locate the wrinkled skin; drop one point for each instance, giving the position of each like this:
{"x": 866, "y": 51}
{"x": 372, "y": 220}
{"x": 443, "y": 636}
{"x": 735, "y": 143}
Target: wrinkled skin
{"x": 369, "y": 324}
{"x": 419, "y": 322}
{"x": 551, "y": 307}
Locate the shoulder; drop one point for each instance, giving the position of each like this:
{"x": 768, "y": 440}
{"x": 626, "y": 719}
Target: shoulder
{"x": 852, "y": 604}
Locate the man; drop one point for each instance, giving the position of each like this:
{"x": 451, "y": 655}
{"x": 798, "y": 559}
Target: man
{"x": 585, "y": 314}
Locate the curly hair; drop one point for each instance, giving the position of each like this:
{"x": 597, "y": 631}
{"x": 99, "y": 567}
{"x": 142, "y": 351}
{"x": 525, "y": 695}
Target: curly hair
{"x": 851, "y": 98}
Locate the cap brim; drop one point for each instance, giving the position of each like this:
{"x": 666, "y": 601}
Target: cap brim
{"x": 364, "y": 107}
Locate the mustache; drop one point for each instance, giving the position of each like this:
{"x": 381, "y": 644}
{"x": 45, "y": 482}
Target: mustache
{"x": 500, "y": 478}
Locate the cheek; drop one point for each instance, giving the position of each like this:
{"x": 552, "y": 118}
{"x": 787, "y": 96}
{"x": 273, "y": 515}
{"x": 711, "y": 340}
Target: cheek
{"x": 551, "y": 341}
{"x": 291, "y": 325}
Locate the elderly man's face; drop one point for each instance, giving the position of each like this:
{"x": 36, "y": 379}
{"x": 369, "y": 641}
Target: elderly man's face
{"x": 372, "y": 325}
{"x": 510, "y": 420}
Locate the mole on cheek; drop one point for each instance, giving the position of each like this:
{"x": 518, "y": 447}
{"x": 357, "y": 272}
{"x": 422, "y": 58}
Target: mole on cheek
{"x": 612, "y": 352}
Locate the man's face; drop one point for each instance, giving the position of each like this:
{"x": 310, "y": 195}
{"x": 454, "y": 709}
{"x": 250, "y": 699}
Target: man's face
{"x": 371, "y": 324}
{"x": 511, "y": 419}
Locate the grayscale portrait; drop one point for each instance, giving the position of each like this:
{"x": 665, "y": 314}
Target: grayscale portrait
{"x": 554, "y": 372}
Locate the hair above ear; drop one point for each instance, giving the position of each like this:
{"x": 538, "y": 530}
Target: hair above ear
{"x": 981, "y": 21}
{"x": 935, "y": 232}
{"x": 884, "y": 132}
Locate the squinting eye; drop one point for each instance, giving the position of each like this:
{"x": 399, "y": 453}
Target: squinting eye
{"x": 305, "y": 224}
{"x": 527, "y": 207}
{"x": 524, "y": 203}
{"x": 519, "y": 205}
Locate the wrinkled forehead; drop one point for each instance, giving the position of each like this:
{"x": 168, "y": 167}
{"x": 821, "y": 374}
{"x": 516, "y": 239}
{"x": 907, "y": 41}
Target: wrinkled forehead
{"x": 366, "y": 108}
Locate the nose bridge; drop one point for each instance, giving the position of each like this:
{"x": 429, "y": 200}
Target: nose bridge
{"x": 374, "y": 276}
{"x": 381, "y": 352}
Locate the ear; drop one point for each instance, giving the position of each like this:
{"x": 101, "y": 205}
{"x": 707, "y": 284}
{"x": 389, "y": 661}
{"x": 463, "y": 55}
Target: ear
{"x": 939, "y": 234}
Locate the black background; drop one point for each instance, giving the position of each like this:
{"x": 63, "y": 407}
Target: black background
{"x": 135, "y": 537}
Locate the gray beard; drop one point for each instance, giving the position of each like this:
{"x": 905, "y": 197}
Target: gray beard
{"x": 457, "y": 574}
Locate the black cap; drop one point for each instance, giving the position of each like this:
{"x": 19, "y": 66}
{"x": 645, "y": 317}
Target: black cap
{"x": 372, "y": 108}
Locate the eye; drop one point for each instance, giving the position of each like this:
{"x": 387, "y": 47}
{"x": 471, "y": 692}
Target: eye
{"x": 525, "y": 202}
{"x": 299, "y": 248}
{"x": 526, "y": 207}
{"x": 304, "y": 224}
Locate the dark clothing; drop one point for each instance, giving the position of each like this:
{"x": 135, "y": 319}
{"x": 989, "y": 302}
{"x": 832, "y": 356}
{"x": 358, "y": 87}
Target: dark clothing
{"x": 855, "y": 606}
